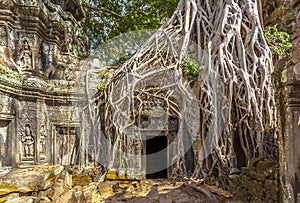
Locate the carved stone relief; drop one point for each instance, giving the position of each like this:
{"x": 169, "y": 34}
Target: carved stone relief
{"x": 6, "y": 104}
{"x": 26, "y": 62}
{"x": 28, "y": 141}
{"x": 44, "y": 47}
{"x": 43, "y": 142}
{"x": 173, "y": 124}
{"x": 63, "y": 114}
{"x": 44, "y": 52}
{"x": 27, "y": 131}
{"x": 43, "y": 134}
{"x": 67, "y": 42}
{"x": 12, "y": 43}
{"x": 3, "y": 36}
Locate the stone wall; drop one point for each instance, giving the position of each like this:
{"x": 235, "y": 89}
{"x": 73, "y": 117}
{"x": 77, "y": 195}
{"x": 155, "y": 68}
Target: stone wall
{"x": 40, "y": 38}
{"x": 291, "y": 138}
{"x": 41, "y": 47}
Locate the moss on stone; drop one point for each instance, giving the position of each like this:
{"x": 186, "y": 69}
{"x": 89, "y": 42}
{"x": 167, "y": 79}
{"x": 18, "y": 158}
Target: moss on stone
{"x": 7, "y": 189}
{"x": 81, "y": 180}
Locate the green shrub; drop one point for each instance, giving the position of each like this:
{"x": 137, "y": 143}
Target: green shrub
{"x": 103, "y": 74}
{"x": 101, "y": 87}
{"x": 191, "y": 68}
{"x": 279, "y": 42}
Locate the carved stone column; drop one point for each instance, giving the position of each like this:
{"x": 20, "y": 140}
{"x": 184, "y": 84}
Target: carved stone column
{"x": 291, "y": 139}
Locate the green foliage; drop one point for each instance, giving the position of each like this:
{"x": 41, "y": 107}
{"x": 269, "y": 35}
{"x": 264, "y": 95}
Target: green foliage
{"x": 107, "y": 19}
{"x": 123, "y": 59}
{"x": 119, "y": 49}
{"x": 279, "y": 42}
{"x": 283, "y": 76}
{"x": 9, "y": 75}
{"x": 103, "y": 74}
{"x": 101, "y": 87}
{"x": 124, "y": 162}
{"x": 191, "y": 67}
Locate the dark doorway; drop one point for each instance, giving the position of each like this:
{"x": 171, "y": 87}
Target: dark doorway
{"x": 5, "y": 143}
{"x": 157, "y": 157}
{"x": 240, "y": 155}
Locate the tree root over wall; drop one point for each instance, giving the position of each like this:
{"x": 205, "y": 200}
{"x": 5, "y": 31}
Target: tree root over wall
{"x": 231, "y": 101}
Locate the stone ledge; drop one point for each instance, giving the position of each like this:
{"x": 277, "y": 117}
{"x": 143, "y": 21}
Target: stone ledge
{"x": 293, "y": 95}
{"x": 6, "y": 116}
{"x": 34, "y": 88}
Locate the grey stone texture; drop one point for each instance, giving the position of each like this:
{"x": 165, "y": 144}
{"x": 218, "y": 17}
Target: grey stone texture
{"x": 41, "y": 47}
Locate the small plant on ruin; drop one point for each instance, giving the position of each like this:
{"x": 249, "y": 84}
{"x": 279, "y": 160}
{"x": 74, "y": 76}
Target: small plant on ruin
{"x": 123, "y": 162}
{"x": 279, "y": 42}
{"x": 191, "y": 67}
{"x": 103, "y": 74}
{"x": 101, "y": 87}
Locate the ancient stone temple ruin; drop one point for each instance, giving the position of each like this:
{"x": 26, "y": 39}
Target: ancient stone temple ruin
{"x": 43, "y": 55}
{"x": 41, "y": 45}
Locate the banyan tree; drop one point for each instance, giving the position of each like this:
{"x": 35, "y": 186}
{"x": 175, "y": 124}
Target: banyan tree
{"x": 208, "y": 70}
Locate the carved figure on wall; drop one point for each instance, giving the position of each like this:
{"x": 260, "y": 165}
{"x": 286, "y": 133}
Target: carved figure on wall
{"x": 68, "y": 42}
{"x": 43, "y": 136}
{"x": 25, "y": 56}
{"x": 28, "y": 141}
{"x": 3, "y": 36}
{"x": 11, "y": 41}
{"x": 49, "y": 50}
{"x": 50, "y": 69}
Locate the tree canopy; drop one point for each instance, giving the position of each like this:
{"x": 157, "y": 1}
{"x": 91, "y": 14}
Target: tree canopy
{"x": 107, "y": 19}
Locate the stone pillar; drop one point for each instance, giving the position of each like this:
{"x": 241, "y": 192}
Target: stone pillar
{"x": 291, "y": 139}
{"x": 43, "y": 137}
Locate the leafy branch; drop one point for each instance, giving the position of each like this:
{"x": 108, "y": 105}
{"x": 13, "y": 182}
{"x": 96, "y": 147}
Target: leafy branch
{"x": 279, "y": 42}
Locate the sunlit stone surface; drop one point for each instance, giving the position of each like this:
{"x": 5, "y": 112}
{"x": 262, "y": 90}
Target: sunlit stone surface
{"x": 41, "y": 46}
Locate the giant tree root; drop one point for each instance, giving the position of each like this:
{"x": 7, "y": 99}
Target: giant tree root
{"x": 227, "y": 112}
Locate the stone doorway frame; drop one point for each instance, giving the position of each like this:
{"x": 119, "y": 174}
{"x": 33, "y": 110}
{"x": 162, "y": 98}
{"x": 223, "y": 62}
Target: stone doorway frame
{"x": 171, "y": 148}
{"x": 157, "y": 134}
{"x": 11, "y": 131}
{"x": 54, "y": 139}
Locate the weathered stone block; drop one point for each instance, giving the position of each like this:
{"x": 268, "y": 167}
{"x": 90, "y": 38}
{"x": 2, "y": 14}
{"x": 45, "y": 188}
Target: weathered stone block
{"x": 293, "y": 74}
{"x": 295, "y": 56}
